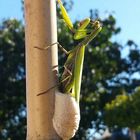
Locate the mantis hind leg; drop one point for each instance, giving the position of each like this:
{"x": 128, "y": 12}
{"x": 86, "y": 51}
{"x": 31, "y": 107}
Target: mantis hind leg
{"x": 44, "y": 92}
{"x": 70, "y": 74}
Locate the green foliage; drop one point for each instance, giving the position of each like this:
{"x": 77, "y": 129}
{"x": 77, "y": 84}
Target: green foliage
{"x": 12, "y": 81}
{"x": 105, "y": 74}
{"x": 124, "y": 111}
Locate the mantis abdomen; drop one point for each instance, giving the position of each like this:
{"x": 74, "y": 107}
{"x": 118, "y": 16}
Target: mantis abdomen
{"x": 73, "y": 72}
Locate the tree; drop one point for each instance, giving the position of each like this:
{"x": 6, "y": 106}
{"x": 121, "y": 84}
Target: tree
{"x": 106, "y": 73}
{"x": 104, "y": 77}
{"x": 12, "y": 81}
{"x": 124, "y": 110}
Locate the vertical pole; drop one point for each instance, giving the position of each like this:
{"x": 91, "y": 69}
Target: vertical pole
{"x": 132, "y": 134}
{"x": 41, "y": 70}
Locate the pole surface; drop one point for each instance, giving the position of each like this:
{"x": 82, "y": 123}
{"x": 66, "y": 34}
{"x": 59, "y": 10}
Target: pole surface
{"x": 41, "y": 68}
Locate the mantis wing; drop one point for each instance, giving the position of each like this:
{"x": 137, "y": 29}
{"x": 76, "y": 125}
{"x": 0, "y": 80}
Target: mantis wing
{"x": 79, "y": 58}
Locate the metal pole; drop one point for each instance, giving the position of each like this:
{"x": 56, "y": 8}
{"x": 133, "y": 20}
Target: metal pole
{"x": 41, "y": 67}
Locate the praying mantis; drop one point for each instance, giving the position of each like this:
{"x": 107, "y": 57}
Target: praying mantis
{"x": 71, "y": 77}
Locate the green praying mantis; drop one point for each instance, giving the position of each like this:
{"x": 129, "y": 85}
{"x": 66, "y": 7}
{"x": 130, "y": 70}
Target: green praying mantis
{"x": 71, "y": 77}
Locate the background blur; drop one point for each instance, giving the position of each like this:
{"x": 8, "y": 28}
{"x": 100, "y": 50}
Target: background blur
{"x": 110, "y": 94}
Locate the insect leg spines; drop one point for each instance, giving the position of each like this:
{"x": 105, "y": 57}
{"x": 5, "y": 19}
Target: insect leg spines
{"x": 81, "y": 32}
{"x": 84, "y": 23}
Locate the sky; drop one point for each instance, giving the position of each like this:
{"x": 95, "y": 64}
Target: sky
{"x": 126, "y": 12}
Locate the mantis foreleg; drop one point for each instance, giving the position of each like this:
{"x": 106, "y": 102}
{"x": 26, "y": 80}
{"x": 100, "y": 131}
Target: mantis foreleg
{"x": 81, "y": 31}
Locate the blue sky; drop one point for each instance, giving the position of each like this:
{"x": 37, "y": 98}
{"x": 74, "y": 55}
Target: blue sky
{"x": 127, "y": 13}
